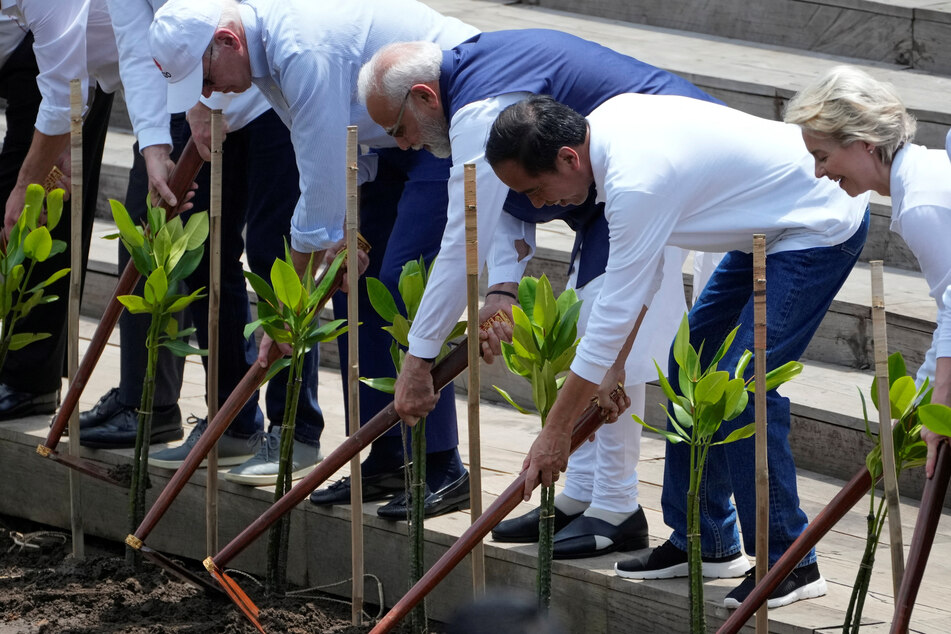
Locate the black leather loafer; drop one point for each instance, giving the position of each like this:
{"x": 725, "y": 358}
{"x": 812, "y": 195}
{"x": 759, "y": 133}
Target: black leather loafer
{"x": 524, "y": 529}
{"x": 17, "y": 404}
{"x": 580, "y": 538}
{"x": 452, "y": 497}
{"x": 375, "y": 487}
{"x": 119, "y": 431}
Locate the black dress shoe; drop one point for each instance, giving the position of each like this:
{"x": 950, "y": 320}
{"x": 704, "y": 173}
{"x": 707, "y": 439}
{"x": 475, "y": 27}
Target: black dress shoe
{"x": 17, "y": 404}
{"x": 119, "y": 431}
{"x": 524, "y": 529}
{"x": 579, "y": 538}
{"x": 375, "y": 487}
{"x": 452, "y": 497}
{"x": 107, "y": 407}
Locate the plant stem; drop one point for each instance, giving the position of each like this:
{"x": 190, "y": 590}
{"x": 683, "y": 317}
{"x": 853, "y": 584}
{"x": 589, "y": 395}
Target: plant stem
{"x": 279, "y": 535}
{"x": 694, "y": 556}
{"x": 853, "y": 617}
{"x": 546, "y": 538}
{"x": 417, "y": 495}
{"x": 140, "y": 459}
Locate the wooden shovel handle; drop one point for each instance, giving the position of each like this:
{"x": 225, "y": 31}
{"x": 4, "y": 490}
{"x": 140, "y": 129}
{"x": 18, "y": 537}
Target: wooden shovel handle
{"x": 240, "y": 395}
{"x": 443, "y": 372}
{"x": 179, "y": 181}
{"x": 844, "y": 500}
{"x": 932, "y": 501}
{"x": 587, "y": 424}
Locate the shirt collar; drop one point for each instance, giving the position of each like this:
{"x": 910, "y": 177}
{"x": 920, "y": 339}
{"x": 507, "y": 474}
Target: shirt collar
{"x": 255, "y": 41}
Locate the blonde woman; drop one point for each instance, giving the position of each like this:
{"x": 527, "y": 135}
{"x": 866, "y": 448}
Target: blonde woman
{"x": 859, "y": 133}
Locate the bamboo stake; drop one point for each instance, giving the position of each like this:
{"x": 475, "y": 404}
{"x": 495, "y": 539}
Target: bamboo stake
{"x": 889, "y": 471}
{"x": 353, "y": 378}
{"x": 214, "y": 304}
{"x": 932, "y": 502}
{"x": 762, "y": 466}
{"x": 75, "y": 291}
{"x": 475, "y": 442}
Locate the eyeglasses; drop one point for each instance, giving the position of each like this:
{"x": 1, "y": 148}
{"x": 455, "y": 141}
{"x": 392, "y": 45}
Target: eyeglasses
{"x": 395, "y": 128}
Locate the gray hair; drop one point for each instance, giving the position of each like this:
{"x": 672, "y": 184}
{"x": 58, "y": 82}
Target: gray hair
{"x": 848, "y": 105}
{"x": 396, "y": 68}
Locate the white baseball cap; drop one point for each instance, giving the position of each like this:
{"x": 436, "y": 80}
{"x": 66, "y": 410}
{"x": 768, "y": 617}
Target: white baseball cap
{"x": 179, "y": 36}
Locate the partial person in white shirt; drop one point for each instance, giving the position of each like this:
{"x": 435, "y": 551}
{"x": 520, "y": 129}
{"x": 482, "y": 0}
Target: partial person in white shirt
{"x": 259, "y": 169}
{"x": 304, "y": 56}
{"x": 68, "y": 39}
{"x": 860, "y": 134}
{"x": 680, "y": 172}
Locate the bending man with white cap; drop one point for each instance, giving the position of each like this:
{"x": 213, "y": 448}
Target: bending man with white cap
{"x": 304, "y": 56}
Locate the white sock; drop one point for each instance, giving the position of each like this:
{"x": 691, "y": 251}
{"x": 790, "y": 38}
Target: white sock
{"x": 611, "y": 517}
{"x": 569, "y": 505}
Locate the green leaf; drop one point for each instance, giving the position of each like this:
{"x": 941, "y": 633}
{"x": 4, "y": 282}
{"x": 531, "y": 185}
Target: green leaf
{"x": 161, "y": 246}
{"x": 134, "y": 304}
{"x": 724, "y": 347}
{"x": 38, "y": 244}
{"x": 286, "y": 284}
{"x": 526, "y": 294}
{"x": 896, "y": 368}
{"x": 510, "y": 400}
{"x": 545, "y": 312}
{"x": 155, "y": 217}
{"x": 181, "y": 349}
{"x": 196, "y": 230}
{"x": 458, "y": 330}
{"x": 901, "y": 395}
{"x": 156, "y": 287}
{"x": 411, "y": 290}
{"x": 738, "y": 434}
{"x": 778, "y": 376}
{"x": 33, "y": 204}
{"x": 381, "y": 299}
{"x": 936, "y": 417}
{"x": 276, "y": 367}
{"x": 735, "y": 398}
{"x": 50, "y": 280}
{"x": 682, "y": 416}
{"x": 664, "y": 384}
{"x": 399, "y": 330}
{"x": 710, "y": 388}
{"x": 384, "y": 384}
{"x": 22, "y": 339}
{"x": 741, "y": 364}
{"x": 183, "y": 302}
{"x": 324, "y": 287}
{"x": 682, "y": 342}
{"x": 186, "y": 265}
{"x": 127, "y": 229}
{"x": 54, "y": 208}
{"x": 261, "y": 288}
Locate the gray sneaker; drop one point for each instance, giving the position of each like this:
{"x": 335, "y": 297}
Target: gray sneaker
{"x": 231, "y": 450}
{"x": 261, "y": 470}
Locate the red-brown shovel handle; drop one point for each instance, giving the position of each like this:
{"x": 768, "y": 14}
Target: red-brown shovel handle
{"x": 932, "y": 503}
{"x": 179, "y": 181}
{"x": 442, "y": 373}
{"x": 844, "y": 500}
{"x": 587, "y": 424}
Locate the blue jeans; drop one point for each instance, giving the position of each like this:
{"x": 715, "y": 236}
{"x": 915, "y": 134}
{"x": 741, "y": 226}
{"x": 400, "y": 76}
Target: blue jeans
{"x": 800, "y": 287}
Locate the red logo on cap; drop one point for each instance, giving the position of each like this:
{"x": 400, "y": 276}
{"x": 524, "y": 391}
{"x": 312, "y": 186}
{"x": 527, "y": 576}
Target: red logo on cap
{"x": 164, "y": 74}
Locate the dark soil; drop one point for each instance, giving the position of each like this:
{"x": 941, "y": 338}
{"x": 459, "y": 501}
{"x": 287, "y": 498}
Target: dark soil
{"x": 45, "y": 590}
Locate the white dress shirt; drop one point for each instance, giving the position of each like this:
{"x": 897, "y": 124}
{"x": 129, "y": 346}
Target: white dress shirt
{"x": 11, "y": 34}
{"x": 921, "y": 214}
{"x": 305, "y": 58}
{"x": 144, "y": 87}
{"x": 687, "y": 173}
{"x": 71, "y": 39}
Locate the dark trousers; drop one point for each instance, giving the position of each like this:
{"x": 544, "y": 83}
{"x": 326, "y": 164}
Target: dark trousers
{"x": 39, "y": 367}
{"x": 402, "y": 216}
{"x": 259, "y": 189}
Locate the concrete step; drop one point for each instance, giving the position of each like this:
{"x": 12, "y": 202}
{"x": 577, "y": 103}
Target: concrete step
{"x": 755, "y": 78}
{"x": 911, "y": 33}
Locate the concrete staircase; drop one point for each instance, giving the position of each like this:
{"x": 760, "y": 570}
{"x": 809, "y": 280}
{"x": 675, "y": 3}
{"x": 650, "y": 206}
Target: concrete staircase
{"x": 753, "y": 56}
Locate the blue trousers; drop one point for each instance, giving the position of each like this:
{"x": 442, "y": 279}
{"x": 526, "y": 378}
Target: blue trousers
{"x": 259, "y": 190}
{"x": 39, "y": 367}
{"x": 402, "y": 215}
{"x": 800, "y": 286}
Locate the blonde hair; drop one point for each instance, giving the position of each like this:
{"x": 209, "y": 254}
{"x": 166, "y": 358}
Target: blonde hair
{"x": 848, "y": 105}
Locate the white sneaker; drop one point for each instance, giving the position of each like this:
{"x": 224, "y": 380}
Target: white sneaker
{"x": 261, "y": 469}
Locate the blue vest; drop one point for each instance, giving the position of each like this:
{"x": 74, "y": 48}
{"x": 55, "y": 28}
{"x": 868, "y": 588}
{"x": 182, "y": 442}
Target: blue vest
{"x": 576, "y": 72}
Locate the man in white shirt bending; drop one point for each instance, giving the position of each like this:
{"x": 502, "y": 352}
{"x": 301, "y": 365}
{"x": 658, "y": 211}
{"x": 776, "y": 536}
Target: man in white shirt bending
{"x": 675, "y": 171}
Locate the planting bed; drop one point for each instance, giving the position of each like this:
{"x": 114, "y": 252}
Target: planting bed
{"x": 44, "y": 590}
